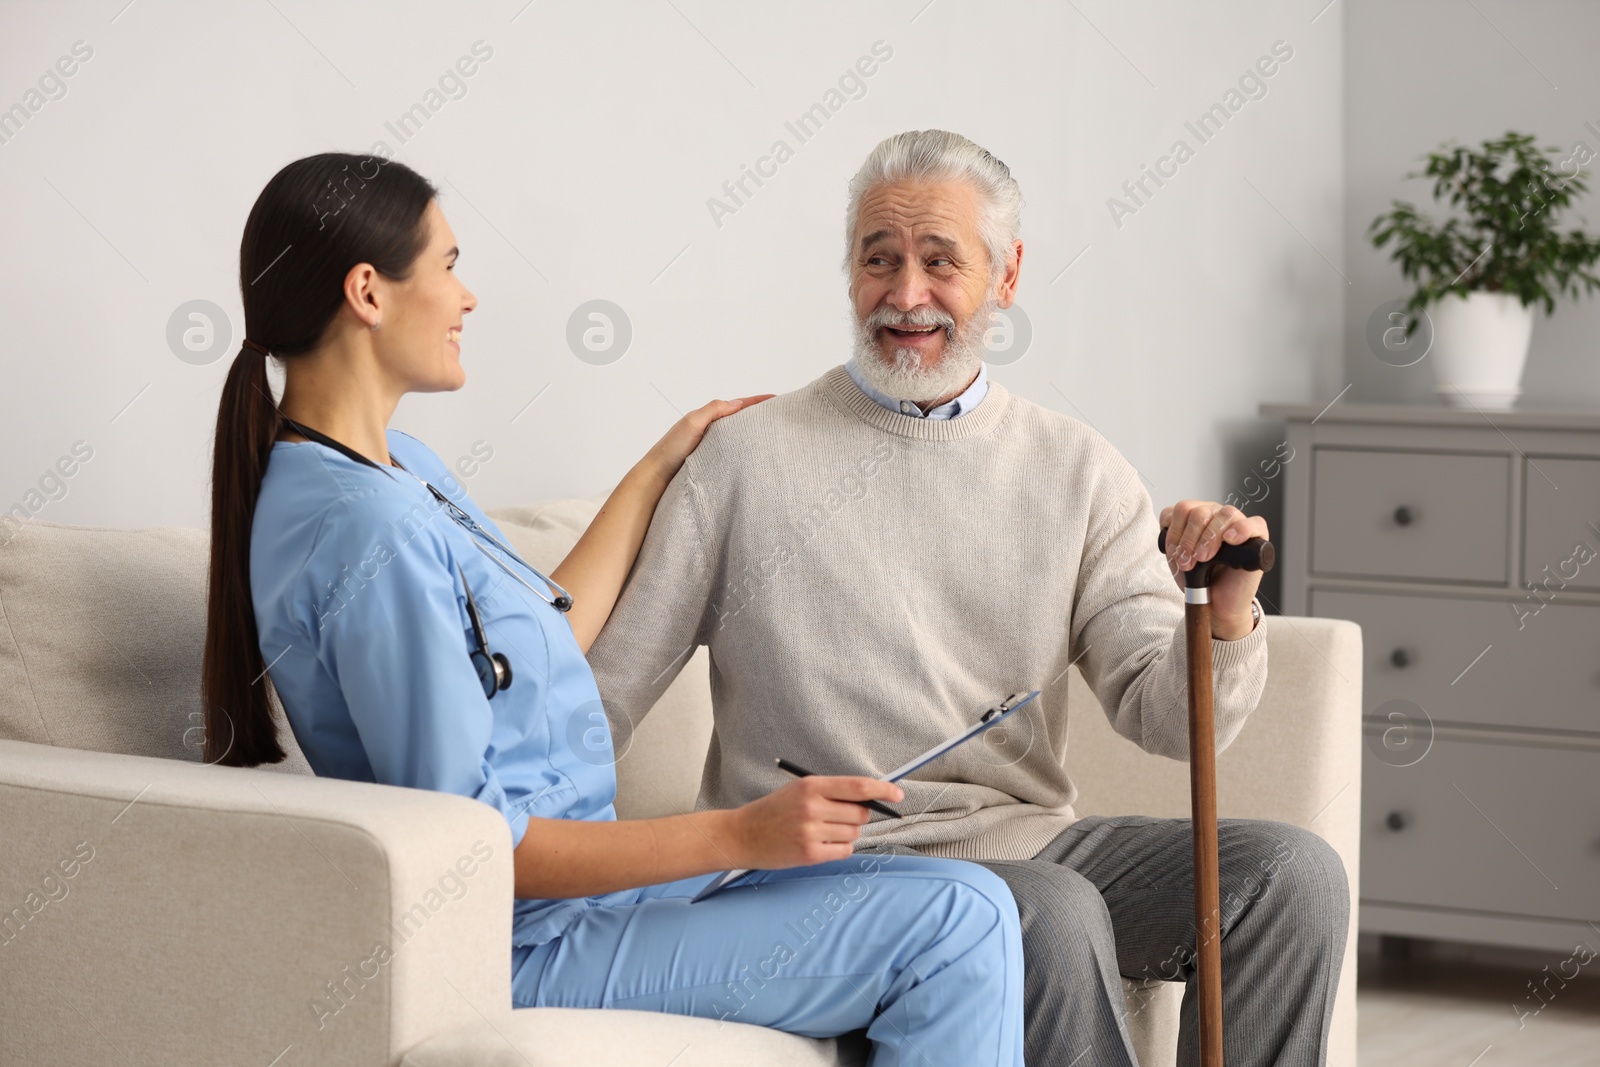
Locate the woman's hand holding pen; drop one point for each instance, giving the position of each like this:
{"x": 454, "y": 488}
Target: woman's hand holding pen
{"x": 814, "y": 819}
{"x": 810, "y": 820}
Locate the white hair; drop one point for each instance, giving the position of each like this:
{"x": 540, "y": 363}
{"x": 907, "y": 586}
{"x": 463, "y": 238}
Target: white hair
{"x": 938, "y": 155}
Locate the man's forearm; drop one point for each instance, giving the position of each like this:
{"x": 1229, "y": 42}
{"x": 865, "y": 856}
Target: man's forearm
{"x": 1231, "y": 629}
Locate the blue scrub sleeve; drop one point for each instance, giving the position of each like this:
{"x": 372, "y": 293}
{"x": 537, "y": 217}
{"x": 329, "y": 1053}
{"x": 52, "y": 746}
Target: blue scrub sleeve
{"x": 397, "y": 641}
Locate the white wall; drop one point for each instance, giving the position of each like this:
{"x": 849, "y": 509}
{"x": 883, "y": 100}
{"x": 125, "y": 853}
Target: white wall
{"x": 578, "y": 166}
{"x": 1419, "y": 72}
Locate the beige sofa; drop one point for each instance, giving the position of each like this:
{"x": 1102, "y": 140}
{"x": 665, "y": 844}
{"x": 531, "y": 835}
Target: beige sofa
{"x": 153, "y": 910}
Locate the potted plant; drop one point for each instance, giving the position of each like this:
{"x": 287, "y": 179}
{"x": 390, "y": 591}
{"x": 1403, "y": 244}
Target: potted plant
{"x": 1480, "y": 272}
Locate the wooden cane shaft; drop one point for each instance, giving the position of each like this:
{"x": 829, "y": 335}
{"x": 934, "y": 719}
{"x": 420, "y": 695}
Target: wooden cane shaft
{"x": 1203, "y": 809}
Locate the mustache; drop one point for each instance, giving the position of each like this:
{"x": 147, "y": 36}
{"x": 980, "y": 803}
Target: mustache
{"x": 916, "y": 317}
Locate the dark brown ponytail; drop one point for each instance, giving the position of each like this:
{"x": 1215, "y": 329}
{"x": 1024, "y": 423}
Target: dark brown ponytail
{"x": 316, "y": 219}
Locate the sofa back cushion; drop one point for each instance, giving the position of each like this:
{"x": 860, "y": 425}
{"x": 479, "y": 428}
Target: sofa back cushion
{"x": 102, "y": 633}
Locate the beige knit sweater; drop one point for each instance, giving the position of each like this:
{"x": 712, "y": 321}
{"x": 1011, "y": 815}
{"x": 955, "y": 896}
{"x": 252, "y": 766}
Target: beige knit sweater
{"x": 868, "y": 582}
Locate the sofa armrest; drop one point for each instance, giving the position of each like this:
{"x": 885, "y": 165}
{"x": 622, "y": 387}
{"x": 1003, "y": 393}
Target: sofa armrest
{"x": 1297, "y": 751}
{"x": 166, "y": 912}
{"x": 1297, "y": 760}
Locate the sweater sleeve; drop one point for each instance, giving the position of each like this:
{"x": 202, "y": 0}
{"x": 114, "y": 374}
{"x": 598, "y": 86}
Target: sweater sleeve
{"x": 662, "y": 614}
{"x": 396, "y": 643}
{"x": 1128, "y": 628}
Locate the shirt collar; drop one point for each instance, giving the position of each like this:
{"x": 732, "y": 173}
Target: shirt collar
{"x": 959, "y": 406}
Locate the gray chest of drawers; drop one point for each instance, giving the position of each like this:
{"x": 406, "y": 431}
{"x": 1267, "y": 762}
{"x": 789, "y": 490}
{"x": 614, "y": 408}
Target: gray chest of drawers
{"x": 1467, "y": 546}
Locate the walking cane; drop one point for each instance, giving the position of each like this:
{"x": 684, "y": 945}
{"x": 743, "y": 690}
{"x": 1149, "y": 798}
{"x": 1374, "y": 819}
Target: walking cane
{"x": 1256, "y": 554}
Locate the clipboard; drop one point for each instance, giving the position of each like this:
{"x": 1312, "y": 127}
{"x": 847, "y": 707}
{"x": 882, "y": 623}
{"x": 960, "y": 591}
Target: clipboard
{"x": 992, "y": 717}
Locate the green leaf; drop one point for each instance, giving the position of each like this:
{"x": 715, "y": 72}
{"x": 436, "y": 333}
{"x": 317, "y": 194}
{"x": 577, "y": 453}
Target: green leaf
{"x": 1499, "y": 234}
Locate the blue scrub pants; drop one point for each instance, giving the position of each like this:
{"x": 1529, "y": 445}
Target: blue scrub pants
{"x": 924, "y": 953}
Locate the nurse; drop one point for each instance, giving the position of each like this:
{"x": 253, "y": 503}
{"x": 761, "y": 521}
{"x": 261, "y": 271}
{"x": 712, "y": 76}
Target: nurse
{"x": 410, "y": 645}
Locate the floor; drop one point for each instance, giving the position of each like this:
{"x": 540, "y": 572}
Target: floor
{"x": 1427, "y": 1004}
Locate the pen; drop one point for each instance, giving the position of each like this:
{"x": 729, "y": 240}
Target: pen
{"x": 800, "y": 772}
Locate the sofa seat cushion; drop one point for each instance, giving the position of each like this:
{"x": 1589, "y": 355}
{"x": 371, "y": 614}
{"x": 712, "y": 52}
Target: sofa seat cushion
{"x": 561, "y": 1037}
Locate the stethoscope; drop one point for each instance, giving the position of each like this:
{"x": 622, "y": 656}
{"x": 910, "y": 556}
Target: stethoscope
{"x": 494, "y": 670}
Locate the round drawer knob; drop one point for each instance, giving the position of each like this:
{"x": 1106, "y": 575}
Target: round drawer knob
{"x": 1403, "y": 516}
{"x": 1400, "y": 658}
{"x": 1395, "y": 821}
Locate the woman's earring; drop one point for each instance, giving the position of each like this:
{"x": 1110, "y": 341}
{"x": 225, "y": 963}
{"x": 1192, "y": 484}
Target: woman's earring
{"x": 375, "y": 325}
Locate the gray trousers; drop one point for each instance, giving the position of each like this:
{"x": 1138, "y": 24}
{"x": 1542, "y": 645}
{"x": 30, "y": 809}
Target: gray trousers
{"x": 1114, "y": 896}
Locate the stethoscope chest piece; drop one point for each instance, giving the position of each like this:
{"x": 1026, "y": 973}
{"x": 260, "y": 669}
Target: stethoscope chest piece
{"x": 494, "y": 670}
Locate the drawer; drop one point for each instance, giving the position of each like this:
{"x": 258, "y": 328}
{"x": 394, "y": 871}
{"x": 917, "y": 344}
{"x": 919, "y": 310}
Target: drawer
{"x": 1496, "y": 827}
{"x": 1560, "y": 518}
{"x": 1420, "y": 515}
{"x": 1545, "y": 674}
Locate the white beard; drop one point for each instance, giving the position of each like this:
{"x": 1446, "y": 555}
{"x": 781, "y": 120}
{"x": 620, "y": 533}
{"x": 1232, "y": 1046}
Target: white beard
{"x": 901, "y": 372}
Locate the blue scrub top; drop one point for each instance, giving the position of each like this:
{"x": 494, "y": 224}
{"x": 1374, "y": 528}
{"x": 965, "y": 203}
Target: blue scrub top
{"x": 363, "y": 620}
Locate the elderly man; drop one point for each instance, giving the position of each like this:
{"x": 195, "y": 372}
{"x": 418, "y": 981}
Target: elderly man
{"x": 876, "y": 556}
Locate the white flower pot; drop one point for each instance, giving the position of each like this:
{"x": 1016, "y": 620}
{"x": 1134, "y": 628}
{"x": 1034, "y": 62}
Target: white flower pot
{"x": 1480, "y": 344}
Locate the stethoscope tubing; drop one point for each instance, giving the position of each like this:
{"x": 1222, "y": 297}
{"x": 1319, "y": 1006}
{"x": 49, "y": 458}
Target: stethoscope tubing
{"x": 471, "y": 525}
{"x": 458, "y": 515}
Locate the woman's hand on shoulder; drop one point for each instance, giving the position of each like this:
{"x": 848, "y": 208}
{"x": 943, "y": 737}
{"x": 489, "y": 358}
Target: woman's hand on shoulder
{"x": 810, "y": 820}
{"x": 686, "y": 433}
